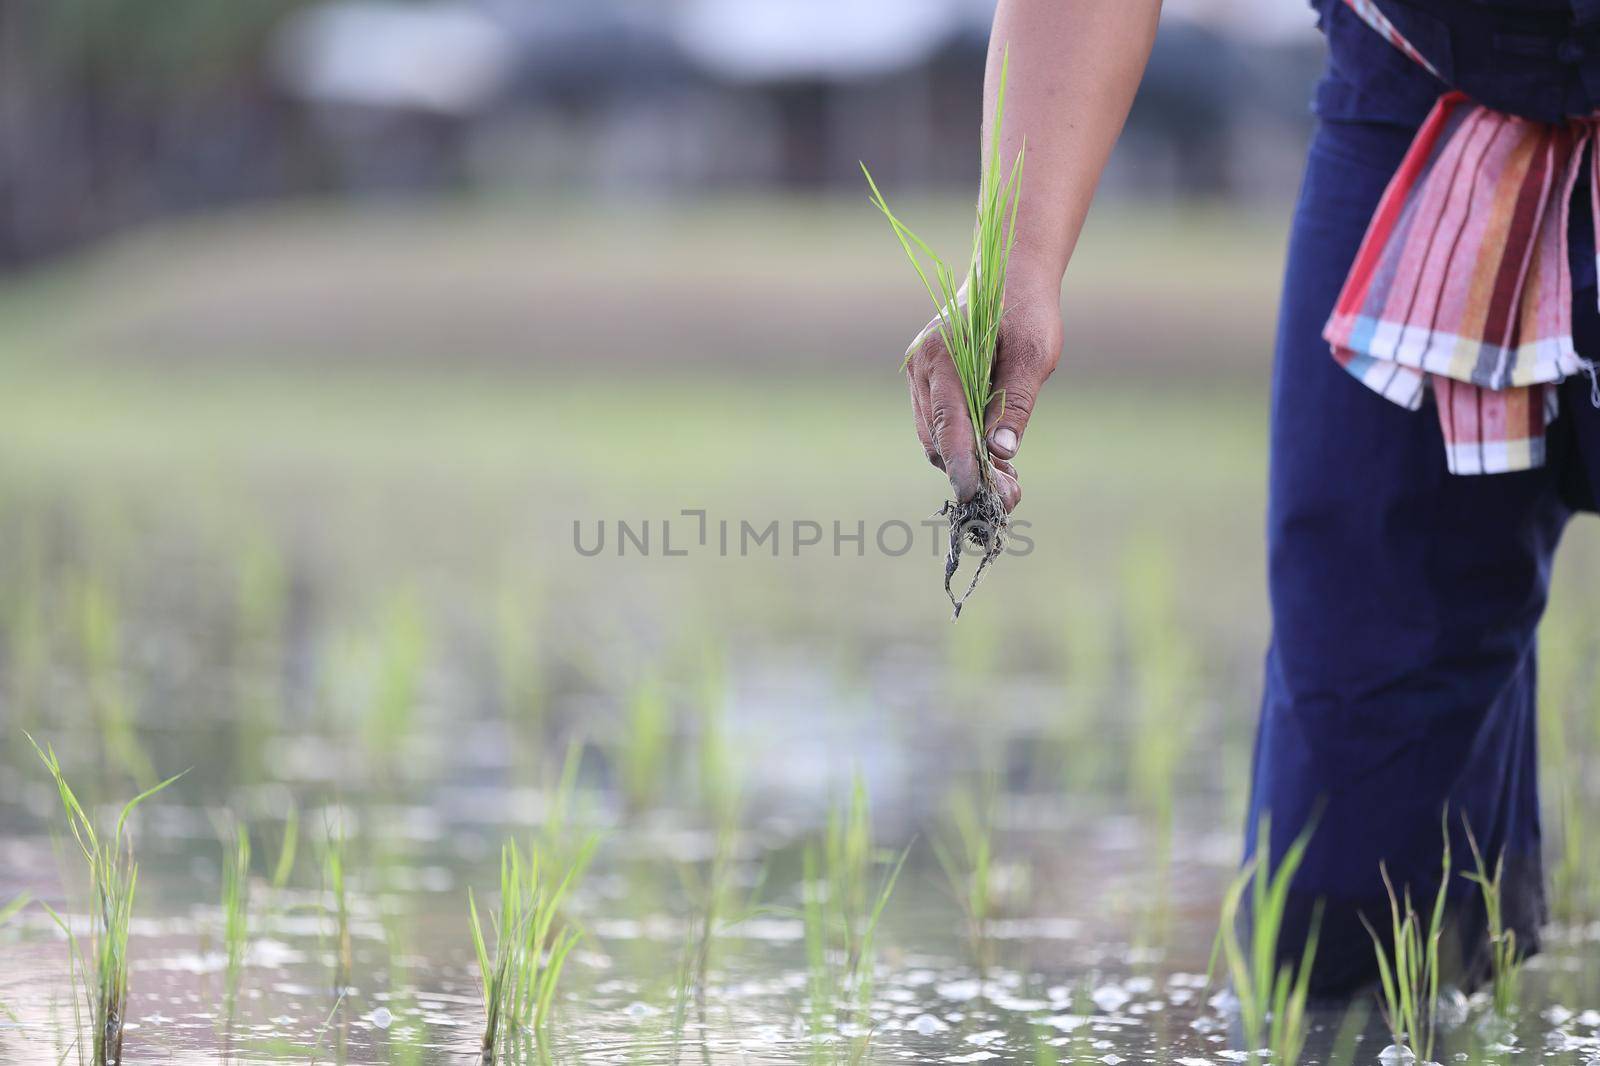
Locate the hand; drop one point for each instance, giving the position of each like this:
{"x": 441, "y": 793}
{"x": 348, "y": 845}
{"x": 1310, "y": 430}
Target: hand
{"x": 1027, "y": 353}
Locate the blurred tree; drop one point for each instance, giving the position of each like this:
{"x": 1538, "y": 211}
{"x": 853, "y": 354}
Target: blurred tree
{"x": 113, "y": 110}
{"x": 172, "y": 45}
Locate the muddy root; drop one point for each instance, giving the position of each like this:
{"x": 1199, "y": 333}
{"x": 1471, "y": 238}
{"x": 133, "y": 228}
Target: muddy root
{"x": 981, "y": 522}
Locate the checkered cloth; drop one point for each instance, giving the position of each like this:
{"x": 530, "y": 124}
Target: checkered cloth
{"x": 1462, "y": 284}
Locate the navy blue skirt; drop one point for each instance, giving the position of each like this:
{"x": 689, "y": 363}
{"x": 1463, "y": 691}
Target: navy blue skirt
{"x": 1400, "y": 682}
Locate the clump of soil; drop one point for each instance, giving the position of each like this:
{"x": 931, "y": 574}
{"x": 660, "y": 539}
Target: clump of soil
{"x": 981, "y": 522}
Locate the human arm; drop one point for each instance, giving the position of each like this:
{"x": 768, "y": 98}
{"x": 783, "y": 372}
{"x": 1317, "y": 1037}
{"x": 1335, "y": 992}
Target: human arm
{"x": 1074, "y": 68}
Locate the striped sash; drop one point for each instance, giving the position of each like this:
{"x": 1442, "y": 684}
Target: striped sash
{"x": 1462, "y": 285}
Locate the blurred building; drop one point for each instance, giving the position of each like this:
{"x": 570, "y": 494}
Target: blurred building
{"x": 109, "y": 117}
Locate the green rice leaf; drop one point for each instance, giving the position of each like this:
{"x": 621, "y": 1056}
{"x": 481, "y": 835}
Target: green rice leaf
{"x": 969, "y": 317}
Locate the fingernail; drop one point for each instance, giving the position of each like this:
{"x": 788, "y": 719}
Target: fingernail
{"x": 1005, "y": 439}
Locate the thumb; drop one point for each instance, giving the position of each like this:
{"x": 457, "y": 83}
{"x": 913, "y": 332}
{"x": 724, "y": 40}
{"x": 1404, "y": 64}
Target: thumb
{"x": 1023, "y": 364}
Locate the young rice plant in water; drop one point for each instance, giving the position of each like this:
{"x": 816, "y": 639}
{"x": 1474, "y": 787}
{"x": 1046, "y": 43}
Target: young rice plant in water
{"x": 236, "y": 913}
{"x": 966, "y": 854}
{"x": 1272, "y": 995}
{"x": 101, "y": 964}
{"x": 718, "y": 905}
{"x": 1504, "y": 959}
{"x": 288, "y": 848}
{"x": 851, "y": 857}
{"x": 968, "y": 324}
{"x": 1408, "y": 971}
{"x": 335, "y": 892}
{"x": 530, "y": 948}
{"x": 830, "y": 976}
{"x": 841, "y": 909}
{"x": 645, "y": 744}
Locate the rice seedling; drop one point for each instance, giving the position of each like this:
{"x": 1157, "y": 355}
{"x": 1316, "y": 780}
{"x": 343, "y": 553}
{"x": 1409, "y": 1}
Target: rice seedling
{"x": 718, "y": 904}
{"x": 1272, "y": 995}
{"x": 282, "y": 869}
{"x": 262, "y": 592}
{"x": 822, "y": 982}
{"x": 645, "y": 743}
{"x": 1163, "y": 670}
{"x": 288, "y": 848}
{"x": 101, "y": 964}
{"x": 718, "y": 777}
{"x": 1504, "y": 958}
{"x": 966, "y": 854}
{"x": 856, "y": 892}
{"x": 1164, "y": 667}
{"x": 100, "y": 641}
{"x": 850, "y": 857}
{"x": 336, "y": 897}
{"x": 520, "y": 976}
{"x": 684, "y": 993}
{"x": 1408, "y": 969}
{"x": 236, "y": 914}
{"x": 968, "y": 324}
{"x": 560, "y": 839}
{"x": 846, "y": 887}
{"x": 1044, "y": 1054}
{"x": 260, "y": 606}
{"x": 1076, "y": 758}
{"x": 402, "y": 650}
{"x": 826, "y": 983}
{"x": 865, "y": 959}
{"x": 517, "y": 655}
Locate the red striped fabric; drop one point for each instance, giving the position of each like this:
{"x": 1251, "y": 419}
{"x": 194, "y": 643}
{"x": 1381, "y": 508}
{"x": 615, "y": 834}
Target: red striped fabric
{"x": 1462, "y": 287}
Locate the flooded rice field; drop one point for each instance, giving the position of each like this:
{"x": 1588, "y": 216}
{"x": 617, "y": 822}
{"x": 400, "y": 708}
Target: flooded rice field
{"x": 1066, "y": 818}
{"x": 767, "y": 804}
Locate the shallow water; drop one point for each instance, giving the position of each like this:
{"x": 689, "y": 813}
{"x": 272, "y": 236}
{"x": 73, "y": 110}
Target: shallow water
{"x": 1099, "y": 943}
{"x": 373, "y": 629}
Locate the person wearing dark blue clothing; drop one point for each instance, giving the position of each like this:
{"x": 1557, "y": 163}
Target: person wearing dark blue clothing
{"x": 1399, "y": 692}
